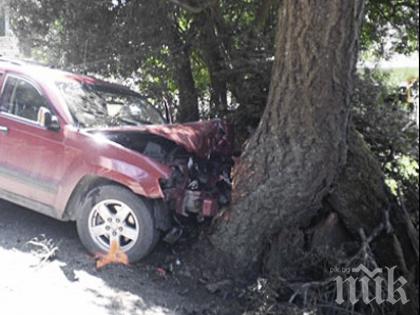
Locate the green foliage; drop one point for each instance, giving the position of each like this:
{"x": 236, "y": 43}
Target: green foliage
{"x": 391, "y": 26}
{"x": 230, "y": 44}
{"x": 385, "y": 118}
{"x": 142, "y": 38}
{"x": 399, "y": 75}
{"x": 118, "y": 38}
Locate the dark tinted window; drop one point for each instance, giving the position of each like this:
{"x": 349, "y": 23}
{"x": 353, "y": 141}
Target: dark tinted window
{"x": 22, "y": 99}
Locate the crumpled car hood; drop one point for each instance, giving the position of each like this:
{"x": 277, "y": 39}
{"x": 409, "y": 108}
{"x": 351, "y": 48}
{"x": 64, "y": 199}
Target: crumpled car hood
{"x": 201, "y": 138}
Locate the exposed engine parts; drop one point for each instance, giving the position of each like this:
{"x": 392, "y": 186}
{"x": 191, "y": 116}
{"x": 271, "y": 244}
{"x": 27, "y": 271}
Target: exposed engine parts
{"x": 197, "y": 185}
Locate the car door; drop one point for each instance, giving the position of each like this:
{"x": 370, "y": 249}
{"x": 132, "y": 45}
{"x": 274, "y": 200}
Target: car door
{"x": 30, "y": 155}
{"x": 3, "y": 129}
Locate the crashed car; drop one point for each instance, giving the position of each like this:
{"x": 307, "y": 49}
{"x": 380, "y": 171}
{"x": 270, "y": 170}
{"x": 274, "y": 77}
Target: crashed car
{"x": 81, "y": 149}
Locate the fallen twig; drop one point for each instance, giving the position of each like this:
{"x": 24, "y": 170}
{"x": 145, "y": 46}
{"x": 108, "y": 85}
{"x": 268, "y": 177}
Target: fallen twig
{"x": 46, "y": 249}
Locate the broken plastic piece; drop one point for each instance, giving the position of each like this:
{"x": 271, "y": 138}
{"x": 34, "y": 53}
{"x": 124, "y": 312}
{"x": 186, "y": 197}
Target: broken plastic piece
{"x": 173, "y": 236}
{"x": 210, "y": 207}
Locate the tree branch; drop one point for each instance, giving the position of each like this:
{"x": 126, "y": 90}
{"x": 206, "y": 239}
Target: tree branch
{"x": 263, "y": 12}
{"x": 193, "y": 9}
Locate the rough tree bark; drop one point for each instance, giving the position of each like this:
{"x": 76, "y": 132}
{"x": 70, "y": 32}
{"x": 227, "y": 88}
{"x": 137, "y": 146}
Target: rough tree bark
{"x": 188, "y": 98}
{"x": 362, "y": 201}
{"x": 359, "y": 200}
{"x": 184, "y": 80}
{"x": 213, "y": 41}
{"x": 295, "y": 156}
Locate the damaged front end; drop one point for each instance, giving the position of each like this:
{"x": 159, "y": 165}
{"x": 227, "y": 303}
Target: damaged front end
{"x": 200, "y": 156}
{"x": 199, "y": 186}
{"x": 200, "y": 183}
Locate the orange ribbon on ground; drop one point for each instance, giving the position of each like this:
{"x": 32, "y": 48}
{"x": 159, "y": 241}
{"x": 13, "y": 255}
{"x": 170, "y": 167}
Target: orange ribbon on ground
{"x": 114, "y": 256}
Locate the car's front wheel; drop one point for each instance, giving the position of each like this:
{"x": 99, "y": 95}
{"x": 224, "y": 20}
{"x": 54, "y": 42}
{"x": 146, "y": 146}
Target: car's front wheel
{"x": 113, "y": 213}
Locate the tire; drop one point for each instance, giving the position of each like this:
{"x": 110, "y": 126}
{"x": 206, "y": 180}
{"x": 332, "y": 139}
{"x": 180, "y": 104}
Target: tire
{"x": 115, "y": 212}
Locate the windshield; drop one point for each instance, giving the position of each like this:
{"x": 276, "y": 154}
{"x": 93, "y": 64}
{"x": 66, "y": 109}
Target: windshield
{"x": 94, "y": 106}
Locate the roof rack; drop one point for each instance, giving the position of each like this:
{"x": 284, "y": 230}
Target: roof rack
{"x": 21, "y": 62}
{"x": 13, "y": 61}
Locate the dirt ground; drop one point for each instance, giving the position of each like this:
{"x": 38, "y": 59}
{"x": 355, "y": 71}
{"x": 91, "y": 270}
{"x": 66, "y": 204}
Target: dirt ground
{"x": 70, "y": 283}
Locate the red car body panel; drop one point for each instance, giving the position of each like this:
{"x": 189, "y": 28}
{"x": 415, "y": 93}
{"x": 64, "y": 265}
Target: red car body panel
{"x": 46, "y": 166}
{"x": 200, "y": 138}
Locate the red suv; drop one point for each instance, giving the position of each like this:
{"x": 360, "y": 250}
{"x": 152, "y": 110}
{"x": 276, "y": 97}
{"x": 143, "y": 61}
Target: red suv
{"x": 76, "y": 148}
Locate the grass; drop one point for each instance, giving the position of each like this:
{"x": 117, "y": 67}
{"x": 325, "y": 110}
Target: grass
{"x": 400, "y": 75}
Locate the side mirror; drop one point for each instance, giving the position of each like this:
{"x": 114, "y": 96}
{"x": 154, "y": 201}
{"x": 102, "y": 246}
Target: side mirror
{"x": 48, "y": 120}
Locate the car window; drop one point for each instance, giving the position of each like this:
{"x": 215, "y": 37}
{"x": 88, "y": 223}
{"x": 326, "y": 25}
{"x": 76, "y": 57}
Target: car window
{"x": 94, "y": 105}
{"x": 6, "y": 97}
{"x": 22, "y": 99}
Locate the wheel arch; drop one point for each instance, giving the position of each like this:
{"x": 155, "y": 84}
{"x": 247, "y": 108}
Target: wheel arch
{"x": 87, "y": 183}
{"x": 80, "y": 192}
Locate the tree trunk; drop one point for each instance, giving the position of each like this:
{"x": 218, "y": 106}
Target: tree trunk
{"x": 359, "y": 201}
{"x": 184, "y": 80}
{"x": 295, "y": 156}
{"x": 213, "y": 39}
{"x": 362, "y": 201}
